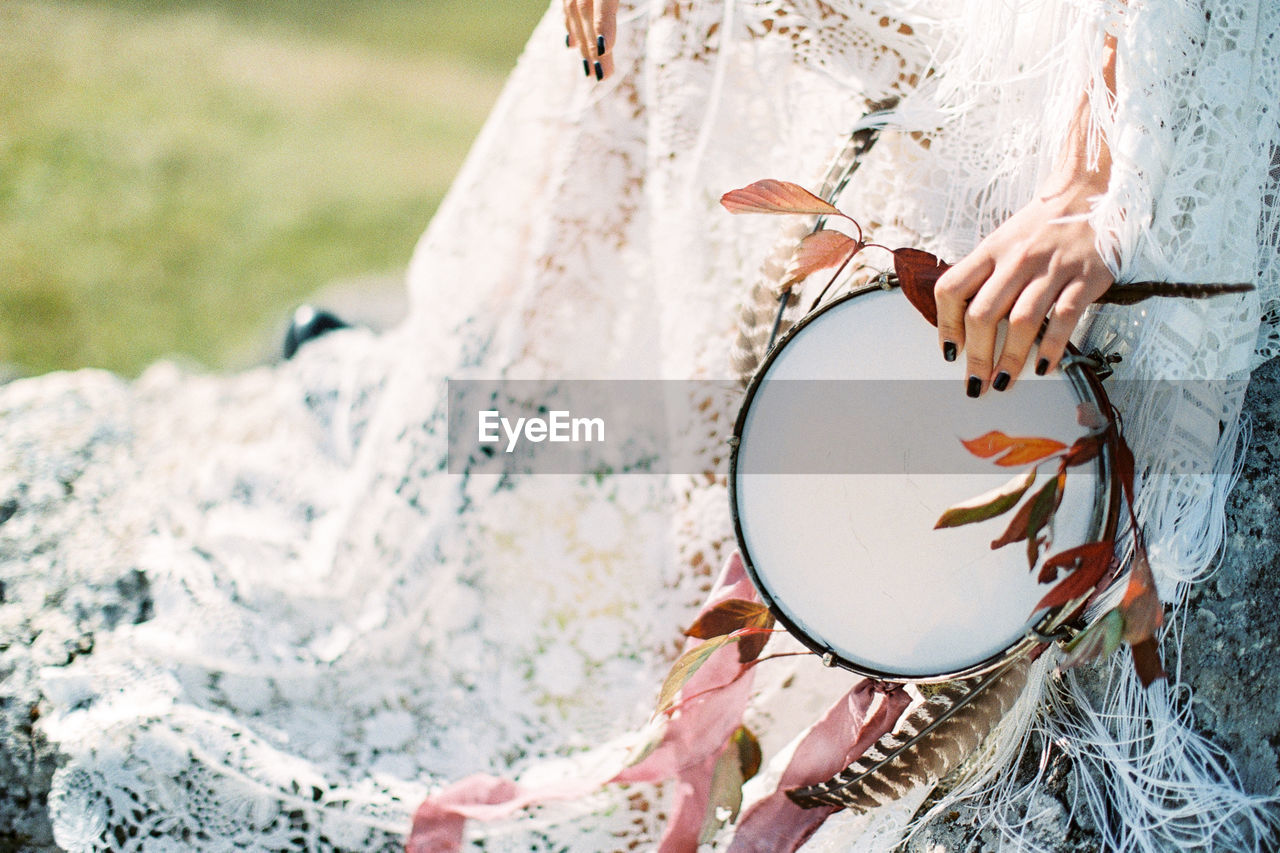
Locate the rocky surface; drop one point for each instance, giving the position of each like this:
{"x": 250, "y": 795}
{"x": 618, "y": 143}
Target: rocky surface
{"x": 49, "y": 614}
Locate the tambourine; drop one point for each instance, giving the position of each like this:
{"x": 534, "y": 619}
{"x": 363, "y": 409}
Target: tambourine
{"x": 845, "y": 453}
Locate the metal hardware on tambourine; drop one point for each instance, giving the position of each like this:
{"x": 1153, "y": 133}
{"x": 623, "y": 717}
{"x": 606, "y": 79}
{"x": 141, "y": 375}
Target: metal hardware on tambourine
{"x": 1061, "y": 635}
{"x": 829, "y": 659}
{"x": 1100, "y": 364}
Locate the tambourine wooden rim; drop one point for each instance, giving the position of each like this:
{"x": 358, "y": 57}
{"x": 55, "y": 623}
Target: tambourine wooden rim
{"x": 1087, "y": 386}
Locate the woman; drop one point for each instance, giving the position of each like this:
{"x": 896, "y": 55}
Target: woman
{"x": 339, "y": 625}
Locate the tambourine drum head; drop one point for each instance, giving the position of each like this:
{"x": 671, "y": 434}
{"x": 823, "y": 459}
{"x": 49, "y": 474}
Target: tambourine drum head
{"x": 837, "y": 486}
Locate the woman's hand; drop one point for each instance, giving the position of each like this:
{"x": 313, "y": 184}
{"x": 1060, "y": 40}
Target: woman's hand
{"x": 1033, "y": 266}
{"x": 1041, "y": 263}
{"x": 592, "y": 26}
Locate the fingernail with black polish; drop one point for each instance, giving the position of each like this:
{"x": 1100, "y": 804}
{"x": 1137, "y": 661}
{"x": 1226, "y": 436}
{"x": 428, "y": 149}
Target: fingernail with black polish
{"x": 566, "y": 40}
{"x": 949, "y": 350}
{"x": 586, "y": 68}
{"x": 974, "y": 387}
{"x": 1001, "y": 381}
{"x": 599, "y": 45}
{"x": 1042, "y": 367}
{"x": 599, "y": 72}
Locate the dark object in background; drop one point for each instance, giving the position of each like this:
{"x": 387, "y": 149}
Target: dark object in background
{"x": 309, "y": 323}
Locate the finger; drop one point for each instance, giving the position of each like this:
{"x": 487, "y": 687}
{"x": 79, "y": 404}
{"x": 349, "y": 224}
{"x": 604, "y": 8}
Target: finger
{"x": 577, "y": 35}
{"x": 605, "y": 22}
{"x": 606, "y": 25}
{"x": 952, "y": 293}
{"x": 981, "y": 322}
{"x": 1068, "y": 308}
{"x": 586, "y": 26}
{"x": 1026, "y": 318}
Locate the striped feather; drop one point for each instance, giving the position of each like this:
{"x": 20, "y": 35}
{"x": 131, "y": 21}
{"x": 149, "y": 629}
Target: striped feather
{"x": 928, "y": 744}
{"x": 1130, "y": 292}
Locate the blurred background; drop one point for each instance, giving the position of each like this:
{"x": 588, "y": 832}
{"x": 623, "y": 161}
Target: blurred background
{"x": 177, "y": 175}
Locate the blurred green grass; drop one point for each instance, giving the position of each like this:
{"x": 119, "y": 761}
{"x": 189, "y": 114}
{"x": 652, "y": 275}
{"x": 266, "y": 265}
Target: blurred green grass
{"x": 175, "y": 175}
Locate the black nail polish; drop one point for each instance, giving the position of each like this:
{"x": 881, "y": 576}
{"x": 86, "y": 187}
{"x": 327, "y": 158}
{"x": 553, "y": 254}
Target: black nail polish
{"x": 1042, "y": 367}
{"x": 949, "y": 350}
{"x": 974, "y": 387}
{"x": 586, "y": 68}
{"x": 599, "y": 72}
{"x": 567, "y": 43}
{"x": 1001, "y": 381}
{"x": 599, "y": 45}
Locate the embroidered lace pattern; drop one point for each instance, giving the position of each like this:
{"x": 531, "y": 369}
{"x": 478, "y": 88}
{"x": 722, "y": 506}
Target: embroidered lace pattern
{"x": 339, "y": 625}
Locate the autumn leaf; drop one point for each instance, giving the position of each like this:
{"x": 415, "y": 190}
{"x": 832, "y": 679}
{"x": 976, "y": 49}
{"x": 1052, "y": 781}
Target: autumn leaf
{"x": 734, "y": 615}
{"x": 1028, "y": 450}
{"x": 1090, "y": 417}
{"x": 1084, "y": 449}
{"x": 685, "y": 667}
{"x": 1143, "y": 612}
{"x": 1146, "y": 661}
{"x": 771, "y": 196}
{"x": 1017, "y": 450}
{"x": 918, "y": 272}
{"x": 989, "y": 504}
{"x": 1097, "y": 641}
{"x": 727, "y": 617}
{"x": 1032, "y": 517}
{"x": 749, "y": 753}
{"x": 822, "y": 249}
{"x": 1093, "y": 564}
{"x": 1086, "y": 553}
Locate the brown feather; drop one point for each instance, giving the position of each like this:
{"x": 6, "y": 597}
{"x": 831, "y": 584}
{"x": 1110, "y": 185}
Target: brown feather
{"x": 928, "y": 744}
{"x": 1130, "y": 292}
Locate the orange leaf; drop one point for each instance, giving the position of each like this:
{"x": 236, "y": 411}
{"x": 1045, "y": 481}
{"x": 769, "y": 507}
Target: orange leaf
{"x": 989, "y": 504}
{"x": 1017, "y": 450}
{"x": 918, "y": 272}
{"x": 820, "y": 250}
{"x": 988, "y": 445}
{"x": 770, "y": 196}
{"x": 1143, "y": 612}
{"x": 1028, "y": 450}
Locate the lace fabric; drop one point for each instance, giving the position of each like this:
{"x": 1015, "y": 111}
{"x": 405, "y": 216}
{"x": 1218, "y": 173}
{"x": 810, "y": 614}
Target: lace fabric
{"x": 339, "y": 625}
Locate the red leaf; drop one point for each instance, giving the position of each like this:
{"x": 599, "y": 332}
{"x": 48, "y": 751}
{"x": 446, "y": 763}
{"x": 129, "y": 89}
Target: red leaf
{"x": 1085, "y": 449}
{"x": 770, "y": 196}
{"x": 1146, "y": 660}
{"x": 1124, "y": 467}
{"x": 918, "y": 272}
{"x": 989, "y": 504}
{"x": 1097, "y": 641}
{"x": 727, "y": 617}
{"x": 1088, "y": 552}
{"x": 821, "y": 250}
{"x": 1017, "y": 450}
{"x": 1081, "y": 581}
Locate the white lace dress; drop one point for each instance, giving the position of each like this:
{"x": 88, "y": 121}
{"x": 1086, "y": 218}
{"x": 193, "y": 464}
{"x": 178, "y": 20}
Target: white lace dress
{"x": 339, "y": 625}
